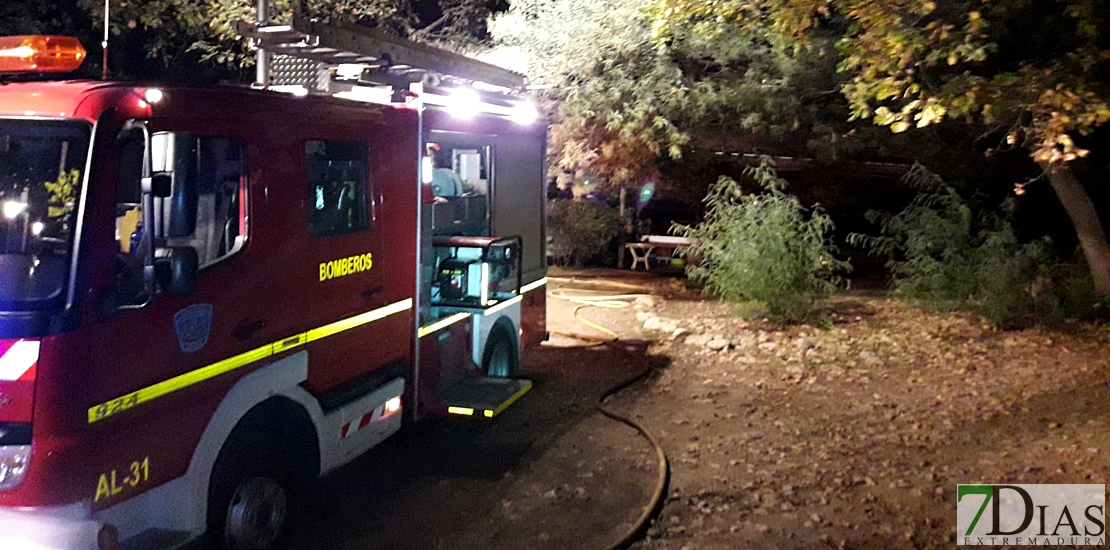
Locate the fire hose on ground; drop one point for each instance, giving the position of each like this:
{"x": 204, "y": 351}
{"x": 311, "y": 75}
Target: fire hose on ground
{"x": 639, "y": 528}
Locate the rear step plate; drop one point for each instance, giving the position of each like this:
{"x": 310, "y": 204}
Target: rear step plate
{"x": 486, "y": 397}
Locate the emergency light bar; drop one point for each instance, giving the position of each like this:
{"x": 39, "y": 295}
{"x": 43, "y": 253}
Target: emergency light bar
{"x": 40, "y": 54}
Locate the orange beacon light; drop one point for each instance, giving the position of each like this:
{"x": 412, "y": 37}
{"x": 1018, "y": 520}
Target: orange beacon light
{"x": 40, "y": 54}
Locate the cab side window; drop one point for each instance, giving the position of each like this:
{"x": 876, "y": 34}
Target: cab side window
{"x": 211, "y": 169}
{"x": 338, "y": 196}
{"x": 215, "y": 168}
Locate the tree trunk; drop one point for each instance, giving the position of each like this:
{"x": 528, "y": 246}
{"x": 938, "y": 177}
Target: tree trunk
{"x": 1084, "y": 218}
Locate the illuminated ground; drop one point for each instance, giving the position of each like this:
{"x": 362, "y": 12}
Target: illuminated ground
{"x": 849, "y": 434}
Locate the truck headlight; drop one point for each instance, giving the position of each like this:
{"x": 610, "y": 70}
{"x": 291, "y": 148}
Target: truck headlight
{"x": 13, "y": 464}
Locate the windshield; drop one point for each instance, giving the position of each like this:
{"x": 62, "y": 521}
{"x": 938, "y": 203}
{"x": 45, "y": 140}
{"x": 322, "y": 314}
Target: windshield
{"x": 40, "y": 178}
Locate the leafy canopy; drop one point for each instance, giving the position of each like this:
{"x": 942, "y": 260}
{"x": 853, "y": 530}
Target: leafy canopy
{"x": 623, "y": 101}
{"x": 1037, "y": 69}
{"x": 610, "y": 92}
{"x": 209, "y": 26}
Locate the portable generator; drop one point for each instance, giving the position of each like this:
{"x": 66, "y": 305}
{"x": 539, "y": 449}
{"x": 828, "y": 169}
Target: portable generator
{"x": 476, "y": 270}
{"x": 454, "y": 278}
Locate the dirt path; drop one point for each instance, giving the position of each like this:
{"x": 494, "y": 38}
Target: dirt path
{"x": 549, "y": 473}
{"x": 852, "y": 434}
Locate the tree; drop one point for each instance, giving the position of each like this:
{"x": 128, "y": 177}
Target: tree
{"x": 613, "y": 96}
{"x": 1032, "y": 72}
{"x": 61, "y": 17}
{"x": 170, "y": 28}
{"x": 623, "y": 102}
{"x": 24, "y": 17}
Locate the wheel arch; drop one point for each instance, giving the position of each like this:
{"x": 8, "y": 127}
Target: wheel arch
{"x": 273, "y": 449}
{"x": 288, "y": 418}
{"x": 262, "y": 396}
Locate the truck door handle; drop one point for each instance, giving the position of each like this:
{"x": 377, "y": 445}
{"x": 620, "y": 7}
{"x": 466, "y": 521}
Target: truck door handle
{"x": 371, "y": 292}
{"x": 248, "y": 328}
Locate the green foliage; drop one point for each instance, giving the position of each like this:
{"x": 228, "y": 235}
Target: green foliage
{"x": 1036, "y": 70}
{"x": 1031, "y": 74}
{"x": 614, "y": 95}
{"x": 944, "y": 254}
{"x": 623, "y": 102}
{"x": 580, "y": 230}
{"x": 1069, "y": 291}
{"x": 28, "y": 17}
{"x": 172, "y": 27}
{"x": 765, "y": 247}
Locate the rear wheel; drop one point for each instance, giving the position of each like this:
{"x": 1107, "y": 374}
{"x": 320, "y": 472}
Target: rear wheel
{"x": 500, "y": 359}
{"x": 256, "y": 490}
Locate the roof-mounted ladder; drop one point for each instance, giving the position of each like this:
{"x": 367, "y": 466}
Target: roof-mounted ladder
{"x": 309, "y": 52}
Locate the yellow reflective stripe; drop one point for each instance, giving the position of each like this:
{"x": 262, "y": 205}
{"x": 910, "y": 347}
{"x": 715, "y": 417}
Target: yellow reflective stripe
{"x": 290, "y": 342}
{"x": 504, "y": 305}
{"x": 104, "y": 410}
{"x": 520, "y": 393}
{"x": 460, "y": 410}
{"x": 120, "y": 404}
{"x": 533, "y": 285}
{"x": 441, "y": 324}
{"x": 357, "y": 320}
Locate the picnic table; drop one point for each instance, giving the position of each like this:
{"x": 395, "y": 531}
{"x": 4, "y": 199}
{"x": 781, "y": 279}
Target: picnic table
{"x": 641, "y": 251}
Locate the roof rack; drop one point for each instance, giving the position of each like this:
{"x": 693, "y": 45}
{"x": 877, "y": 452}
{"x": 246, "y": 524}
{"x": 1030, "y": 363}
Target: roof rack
{"x": 310, "y": 51}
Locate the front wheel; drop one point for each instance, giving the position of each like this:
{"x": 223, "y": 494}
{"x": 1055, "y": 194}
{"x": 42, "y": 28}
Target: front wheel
{"x": 256, "y": 489}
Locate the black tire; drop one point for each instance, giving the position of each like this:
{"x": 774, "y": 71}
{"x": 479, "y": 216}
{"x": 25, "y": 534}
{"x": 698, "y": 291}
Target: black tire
{"x": 257, "y": 491}
{"x": 500, "y": 359}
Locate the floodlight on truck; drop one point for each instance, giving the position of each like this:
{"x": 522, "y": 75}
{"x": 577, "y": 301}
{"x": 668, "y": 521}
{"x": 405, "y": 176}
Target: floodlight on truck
{"x": 524, "y": 113}
{"x": 40, "y": 54}
{"x": 153, "y": 95}
{"x": 464, "y": 103}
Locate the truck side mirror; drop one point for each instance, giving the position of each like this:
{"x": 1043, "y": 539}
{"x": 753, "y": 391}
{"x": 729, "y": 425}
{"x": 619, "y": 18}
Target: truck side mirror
{"x": 175, "y": 270}
{"x": 174, "y": 182}
{"x": 182, "y": 207}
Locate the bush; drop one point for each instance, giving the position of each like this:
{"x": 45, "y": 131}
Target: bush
{"x": 763, "y": 248}
{"x": 1070, "y": 291}
{"x": 580, "y": 231}
{"x": 942, "y": 254}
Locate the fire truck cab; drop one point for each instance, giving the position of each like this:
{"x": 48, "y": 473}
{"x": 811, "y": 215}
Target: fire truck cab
{"x": 209, "y": 297}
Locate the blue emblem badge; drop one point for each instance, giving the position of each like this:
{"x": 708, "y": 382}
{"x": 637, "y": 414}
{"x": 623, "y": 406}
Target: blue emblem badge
{"x": 192, "y": 325}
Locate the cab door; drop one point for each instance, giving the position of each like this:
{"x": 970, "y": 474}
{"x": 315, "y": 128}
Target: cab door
{"x": 349, "y": 303}
{"x": 140, "y": 343}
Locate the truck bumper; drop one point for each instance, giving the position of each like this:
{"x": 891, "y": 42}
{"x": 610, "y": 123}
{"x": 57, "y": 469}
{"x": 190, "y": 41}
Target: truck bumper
{"x": 49, "y": 528}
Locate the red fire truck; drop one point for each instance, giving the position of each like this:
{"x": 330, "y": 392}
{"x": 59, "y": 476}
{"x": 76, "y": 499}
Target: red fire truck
{"x": 211, "y": 296}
